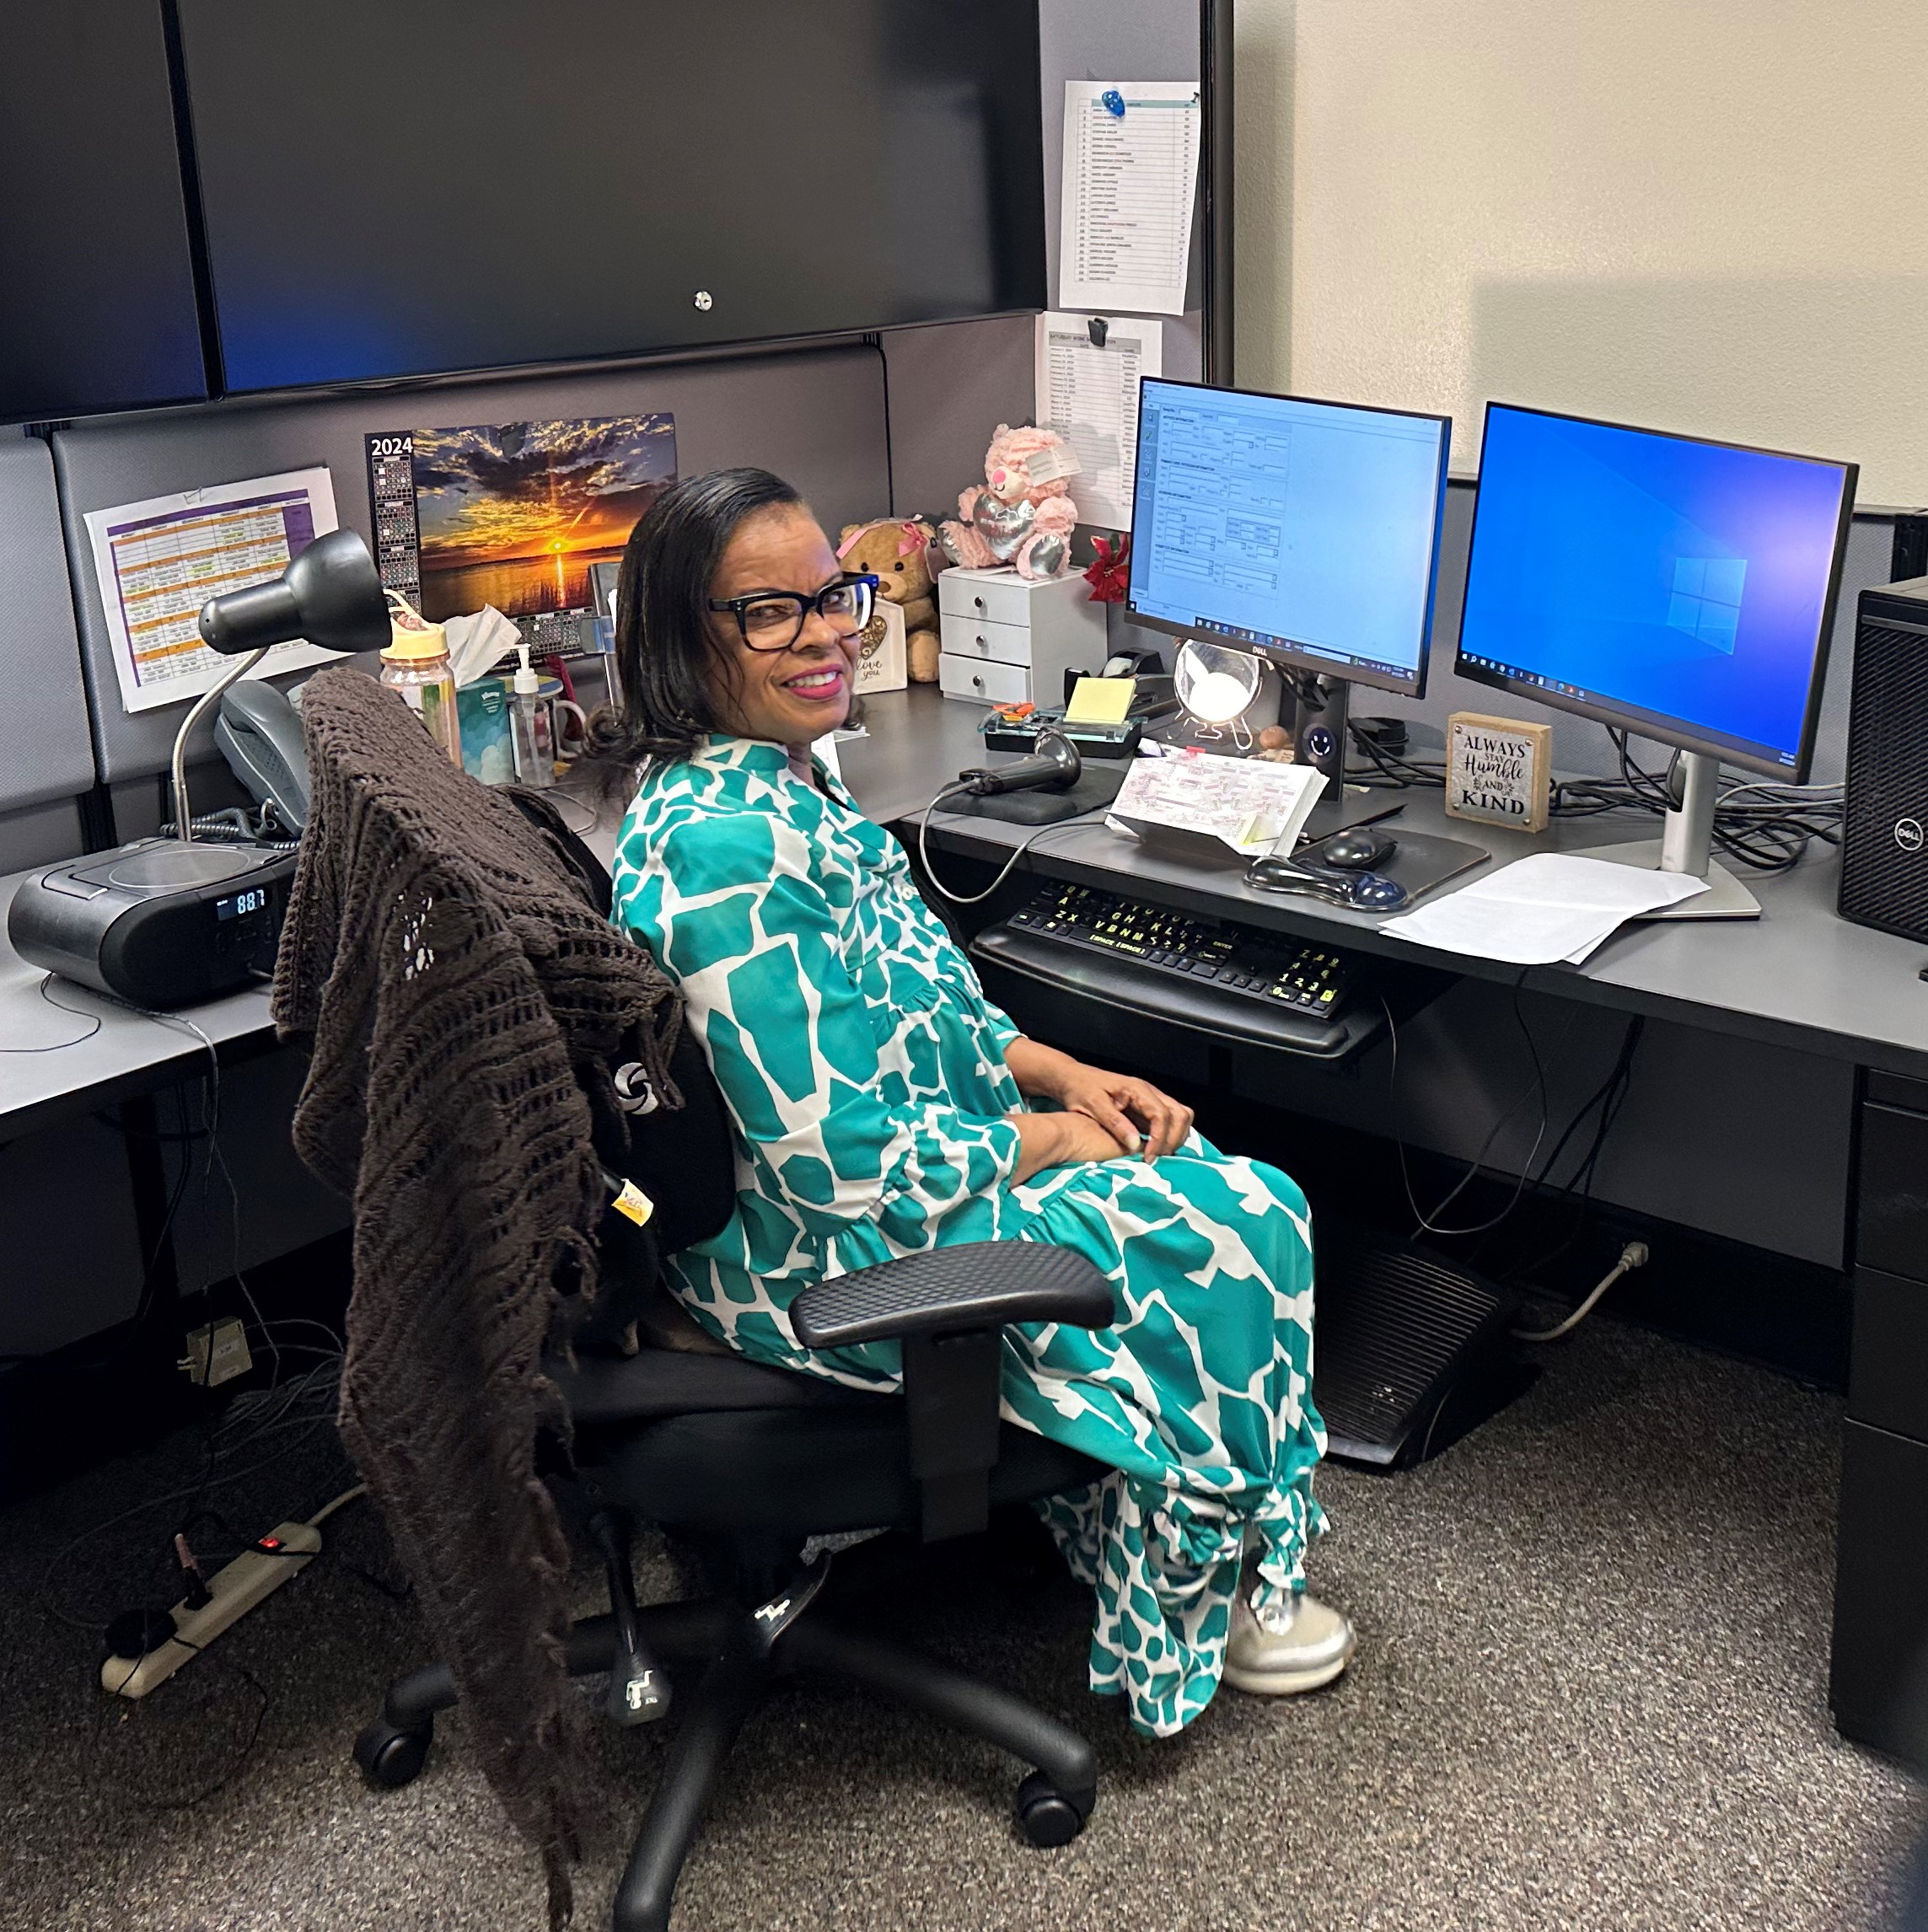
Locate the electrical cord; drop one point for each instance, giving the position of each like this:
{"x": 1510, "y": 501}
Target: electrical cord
{"x": 59, "y": 1046}
{"x": 1632, "y": 1256}
{"x": 1428, "y": 1222}
{"x": 1010, "y": 864}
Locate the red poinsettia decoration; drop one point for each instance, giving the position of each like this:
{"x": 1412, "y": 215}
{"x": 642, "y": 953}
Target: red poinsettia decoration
{"x": 1110, "y": 568}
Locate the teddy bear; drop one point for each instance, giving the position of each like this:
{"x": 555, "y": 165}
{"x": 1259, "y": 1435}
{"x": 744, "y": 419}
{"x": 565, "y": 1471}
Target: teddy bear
{"x": 1022, "y": 513}
{"x": 896, "y": 551}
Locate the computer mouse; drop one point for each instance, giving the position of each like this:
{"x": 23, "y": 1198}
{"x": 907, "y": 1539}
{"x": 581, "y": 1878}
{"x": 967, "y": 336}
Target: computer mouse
{"x": 1357, "y": 849}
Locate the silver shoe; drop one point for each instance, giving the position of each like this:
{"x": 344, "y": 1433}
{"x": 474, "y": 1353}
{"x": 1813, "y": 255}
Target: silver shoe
{"x": 1296, "y": 1645}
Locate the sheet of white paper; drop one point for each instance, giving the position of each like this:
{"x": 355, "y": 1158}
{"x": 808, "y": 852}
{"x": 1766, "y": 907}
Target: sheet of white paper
{"x": 1129, "y": 180}
{"x": 1090, "y": 396}
{"x": 1250, "y": 803}
{"x": 159, "y": 561}
{"x": 1551, "y": 906}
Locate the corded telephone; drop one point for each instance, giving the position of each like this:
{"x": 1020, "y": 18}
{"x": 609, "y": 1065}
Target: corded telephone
{"x": 260, "y": 735}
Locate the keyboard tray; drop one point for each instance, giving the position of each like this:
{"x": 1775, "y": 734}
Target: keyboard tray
{"x": 1201, "y": 1008}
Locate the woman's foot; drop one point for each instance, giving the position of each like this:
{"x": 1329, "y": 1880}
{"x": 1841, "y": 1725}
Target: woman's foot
{"x": 1297, "y": 1645}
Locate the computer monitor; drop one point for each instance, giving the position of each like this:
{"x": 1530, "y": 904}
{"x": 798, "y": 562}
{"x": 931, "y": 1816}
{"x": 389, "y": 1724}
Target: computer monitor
{"x": 1306, "y": 533}
{"x": 1679, "y": 588}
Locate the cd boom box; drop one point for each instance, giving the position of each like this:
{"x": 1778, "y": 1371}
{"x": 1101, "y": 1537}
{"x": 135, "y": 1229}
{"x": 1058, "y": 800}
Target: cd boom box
{"x": 1884, "y": 834}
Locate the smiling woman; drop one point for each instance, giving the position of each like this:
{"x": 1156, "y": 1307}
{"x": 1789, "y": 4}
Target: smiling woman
{"x": 881, "y": 1106}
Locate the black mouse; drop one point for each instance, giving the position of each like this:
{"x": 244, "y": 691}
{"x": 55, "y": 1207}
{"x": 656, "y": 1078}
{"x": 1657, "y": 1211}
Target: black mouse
{"x": 1357, "y": 849}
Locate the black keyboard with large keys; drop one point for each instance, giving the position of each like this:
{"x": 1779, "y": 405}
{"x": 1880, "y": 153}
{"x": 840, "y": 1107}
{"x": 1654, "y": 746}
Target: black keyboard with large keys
{"x": 1216, "y": 976}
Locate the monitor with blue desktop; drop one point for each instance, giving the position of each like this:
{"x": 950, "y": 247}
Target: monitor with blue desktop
{"x": 1676, "y": 587}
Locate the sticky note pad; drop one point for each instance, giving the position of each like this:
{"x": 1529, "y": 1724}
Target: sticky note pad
{"x": 1100, "y": 701}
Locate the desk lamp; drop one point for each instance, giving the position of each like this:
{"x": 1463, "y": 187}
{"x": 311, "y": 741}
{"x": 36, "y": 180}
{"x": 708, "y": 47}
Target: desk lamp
{"x": 165, "y": 921}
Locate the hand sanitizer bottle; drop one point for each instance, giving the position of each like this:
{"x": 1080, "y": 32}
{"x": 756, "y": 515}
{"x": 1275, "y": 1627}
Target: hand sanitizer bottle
{"x": 529, "y": 728}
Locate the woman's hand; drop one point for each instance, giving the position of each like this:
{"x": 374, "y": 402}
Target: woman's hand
{"x": 1059, "y": 1140}
{"x": 1136, "y": 1116}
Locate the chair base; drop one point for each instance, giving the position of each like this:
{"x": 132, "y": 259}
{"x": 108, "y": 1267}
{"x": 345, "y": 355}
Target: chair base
{"x": 1051, "y": 1806}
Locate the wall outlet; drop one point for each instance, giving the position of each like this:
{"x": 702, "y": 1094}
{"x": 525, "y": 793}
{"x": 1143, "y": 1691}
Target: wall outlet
{"x": 217, "y": 1353}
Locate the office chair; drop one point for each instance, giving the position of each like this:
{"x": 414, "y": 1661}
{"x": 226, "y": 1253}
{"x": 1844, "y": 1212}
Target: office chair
{"x": 749, "y": 1462}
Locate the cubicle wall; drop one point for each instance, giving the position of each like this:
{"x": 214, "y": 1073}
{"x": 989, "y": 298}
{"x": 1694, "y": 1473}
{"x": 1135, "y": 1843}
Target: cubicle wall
{"x": 44, "y": 755}
{"x": 816, "y": 416}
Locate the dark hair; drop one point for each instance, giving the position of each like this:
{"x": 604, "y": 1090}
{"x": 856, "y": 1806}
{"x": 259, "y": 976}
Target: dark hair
{"x": 666, "y": 654}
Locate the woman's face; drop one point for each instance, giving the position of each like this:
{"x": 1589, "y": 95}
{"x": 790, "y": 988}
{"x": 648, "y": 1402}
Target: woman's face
{"x": 790, "y": 696}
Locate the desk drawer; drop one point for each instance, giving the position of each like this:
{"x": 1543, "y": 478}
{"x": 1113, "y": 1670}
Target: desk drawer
{"x": 983, "y": 680}
{"x": 978, "y": 596}
{"x": 1881, "y": 1592}
{"x": 1887, "y": 1373}
{"x": 1891, "y": 1224}
{"x": 966, "y": 637}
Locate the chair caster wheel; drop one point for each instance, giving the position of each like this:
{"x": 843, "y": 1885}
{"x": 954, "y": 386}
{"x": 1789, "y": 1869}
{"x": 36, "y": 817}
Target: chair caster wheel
{"x": 390, "y": 1757}
{"x": 1045, "y": 1816}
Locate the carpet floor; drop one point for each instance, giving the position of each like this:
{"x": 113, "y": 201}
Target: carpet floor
{"x": 1590, "y": 1692}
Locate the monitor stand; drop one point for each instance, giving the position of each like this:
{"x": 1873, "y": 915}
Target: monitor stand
{"x": 1318, "y": 728}
{"x": 1687, "y": 845}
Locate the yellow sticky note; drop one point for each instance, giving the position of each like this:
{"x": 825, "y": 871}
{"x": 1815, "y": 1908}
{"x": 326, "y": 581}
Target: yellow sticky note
{"x": 1100, "y": 701}
{"x": 634, "y": 1202}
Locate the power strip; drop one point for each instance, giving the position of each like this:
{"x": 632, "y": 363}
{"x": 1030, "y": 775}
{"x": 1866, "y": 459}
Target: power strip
{"x": 232, "y": 1592}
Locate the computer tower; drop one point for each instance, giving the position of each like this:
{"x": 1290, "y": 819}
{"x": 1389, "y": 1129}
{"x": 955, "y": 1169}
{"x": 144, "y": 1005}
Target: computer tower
{"x": 1884, "y": 838}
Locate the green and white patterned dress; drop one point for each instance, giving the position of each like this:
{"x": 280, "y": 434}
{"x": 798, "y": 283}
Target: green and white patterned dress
{"x": 865, "y": 1072}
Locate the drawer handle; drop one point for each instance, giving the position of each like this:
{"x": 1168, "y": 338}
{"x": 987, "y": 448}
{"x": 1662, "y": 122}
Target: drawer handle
{"x": 979, "y": 602}
{"x": 979, "y": 682}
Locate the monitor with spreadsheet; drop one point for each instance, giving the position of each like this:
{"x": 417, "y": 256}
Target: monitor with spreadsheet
{"x": 1680, "y": 588}
{"x": 1307, "y": 533}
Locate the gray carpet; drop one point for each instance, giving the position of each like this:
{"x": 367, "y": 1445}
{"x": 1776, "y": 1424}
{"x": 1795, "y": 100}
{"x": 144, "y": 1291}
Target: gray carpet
{"x": 1590, "y": 1692}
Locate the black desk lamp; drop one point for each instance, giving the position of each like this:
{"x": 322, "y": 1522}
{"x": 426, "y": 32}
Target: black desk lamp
{"x": 330, "y": 595}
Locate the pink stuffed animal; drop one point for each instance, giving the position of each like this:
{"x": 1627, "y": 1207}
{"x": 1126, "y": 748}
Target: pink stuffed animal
{"x": 1022, "y": 513}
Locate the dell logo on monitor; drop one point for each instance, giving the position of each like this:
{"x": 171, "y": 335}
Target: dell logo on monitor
{"x": 1909, "y": 836}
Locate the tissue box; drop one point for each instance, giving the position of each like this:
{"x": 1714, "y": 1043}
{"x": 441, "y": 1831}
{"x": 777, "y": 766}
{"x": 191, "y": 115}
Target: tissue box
{"x": 488, "y": 751}
{"x": 880, "y": 659}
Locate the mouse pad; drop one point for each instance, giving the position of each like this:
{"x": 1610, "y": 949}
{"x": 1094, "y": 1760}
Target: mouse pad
{"x": 1419, "y": 861}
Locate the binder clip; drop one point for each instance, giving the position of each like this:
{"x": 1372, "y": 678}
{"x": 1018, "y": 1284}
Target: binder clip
{"x": 1097, "y": 329}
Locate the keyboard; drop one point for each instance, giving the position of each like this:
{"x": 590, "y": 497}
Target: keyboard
{"x": 1274, "y": 971}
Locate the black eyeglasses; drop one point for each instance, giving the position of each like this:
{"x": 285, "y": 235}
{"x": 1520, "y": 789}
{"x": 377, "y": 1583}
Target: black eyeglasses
{"x": 773, "y": 620}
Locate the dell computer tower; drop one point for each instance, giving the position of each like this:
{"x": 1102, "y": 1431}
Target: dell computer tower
{"x": 1884, "y": 839}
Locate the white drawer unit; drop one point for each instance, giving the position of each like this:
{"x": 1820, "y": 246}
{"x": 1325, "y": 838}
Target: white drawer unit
{"x": 982, "y": 681}
{"x": 1007, "y": 640}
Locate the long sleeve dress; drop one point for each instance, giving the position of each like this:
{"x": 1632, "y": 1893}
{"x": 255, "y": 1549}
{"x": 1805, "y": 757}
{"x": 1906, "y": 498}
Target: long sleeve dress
{"x": 864, "y": 1071}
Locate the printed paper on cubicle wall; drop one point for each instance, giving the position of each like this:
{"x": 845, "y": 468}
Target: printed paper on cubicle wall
{"x": 1131, "y": 179}
{"x": 1089, "y": 394}
{"x": 160, "y": 560}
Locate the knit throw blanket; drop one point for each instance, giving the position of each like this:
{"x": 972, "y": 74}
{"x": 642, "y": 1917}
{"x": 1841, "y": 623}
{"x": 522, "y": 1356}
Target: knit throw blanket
{"x": 464, "y": 1002}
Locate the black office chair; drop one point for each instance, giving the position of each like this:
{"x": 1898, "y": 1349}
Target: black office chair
{"x": 749, "y": 1461}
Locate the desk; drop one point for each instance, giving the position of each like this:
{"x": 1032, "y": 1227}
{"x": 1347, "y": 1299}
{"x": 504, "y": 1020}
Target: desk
{"x": 1798, "y": 976}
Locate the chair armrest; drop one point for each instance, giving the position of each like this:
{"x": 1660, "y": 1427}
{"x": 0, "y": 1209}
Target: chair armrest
{"x": 947, "y": 1307}
{"x": 976, "y": 1285}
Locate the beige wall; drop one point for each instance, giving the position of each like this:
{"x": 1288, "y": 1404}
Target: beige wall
{"x": 1709, "y": 215}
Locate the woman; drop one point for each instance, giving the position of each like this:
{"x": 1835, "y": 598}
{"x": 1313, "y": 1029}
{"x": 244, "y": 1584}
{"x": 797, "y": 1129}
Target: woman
{"x": 879, "y": 1105}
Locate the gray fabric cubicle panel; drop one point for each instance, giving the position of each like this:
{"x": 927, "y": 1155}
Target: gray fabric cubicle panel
{"x": 816, "y": 416}
{"x": 45, "y": 752}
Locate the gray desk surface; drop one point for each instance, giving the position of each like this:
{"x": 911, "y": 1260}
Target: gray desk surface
{"x": 1798, "y": 976}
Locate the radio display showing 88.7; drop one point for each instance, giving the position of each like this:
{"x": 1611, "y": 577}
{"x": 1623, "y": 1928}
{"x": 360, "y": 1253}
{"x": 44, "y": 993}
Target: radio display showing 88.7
{"x": 239, "y": 904}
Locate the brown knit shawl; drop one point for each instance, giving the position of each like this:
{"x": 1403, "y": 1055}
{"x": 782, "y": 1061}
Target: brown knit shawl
{"x": 464, "y": 1001}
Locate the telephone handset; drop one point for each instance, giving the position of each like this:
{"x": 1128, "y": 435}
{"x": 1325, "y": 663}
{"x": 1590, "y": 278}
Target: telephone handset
{"x": 259, "y": 732}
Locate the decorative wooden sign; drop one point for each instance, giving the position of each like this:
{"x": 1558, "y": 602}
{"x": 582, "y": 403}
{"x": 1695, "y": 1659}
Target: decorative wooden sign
{"x": 1498, "y": 771}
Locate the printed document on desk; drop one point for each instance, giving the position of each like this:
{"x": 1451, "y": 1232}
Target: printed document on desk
{"x": 1130, "y": 179}
{"x": 1250, "y": 804}
{"x": 1542, "y": 909}
{"x": 1090, "y": 396}
{"x": 160, "y": 560}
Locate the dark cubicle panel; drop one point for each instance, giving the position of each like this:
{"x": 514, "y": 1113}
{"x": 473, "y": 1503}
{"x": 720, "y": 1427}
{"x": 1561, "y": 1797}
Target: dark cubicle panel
{"x": 402, "y": 187}
{"x": 815, "y": 415}
{"x": 45, "y": 750}
{"x": 97, "y": 296}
